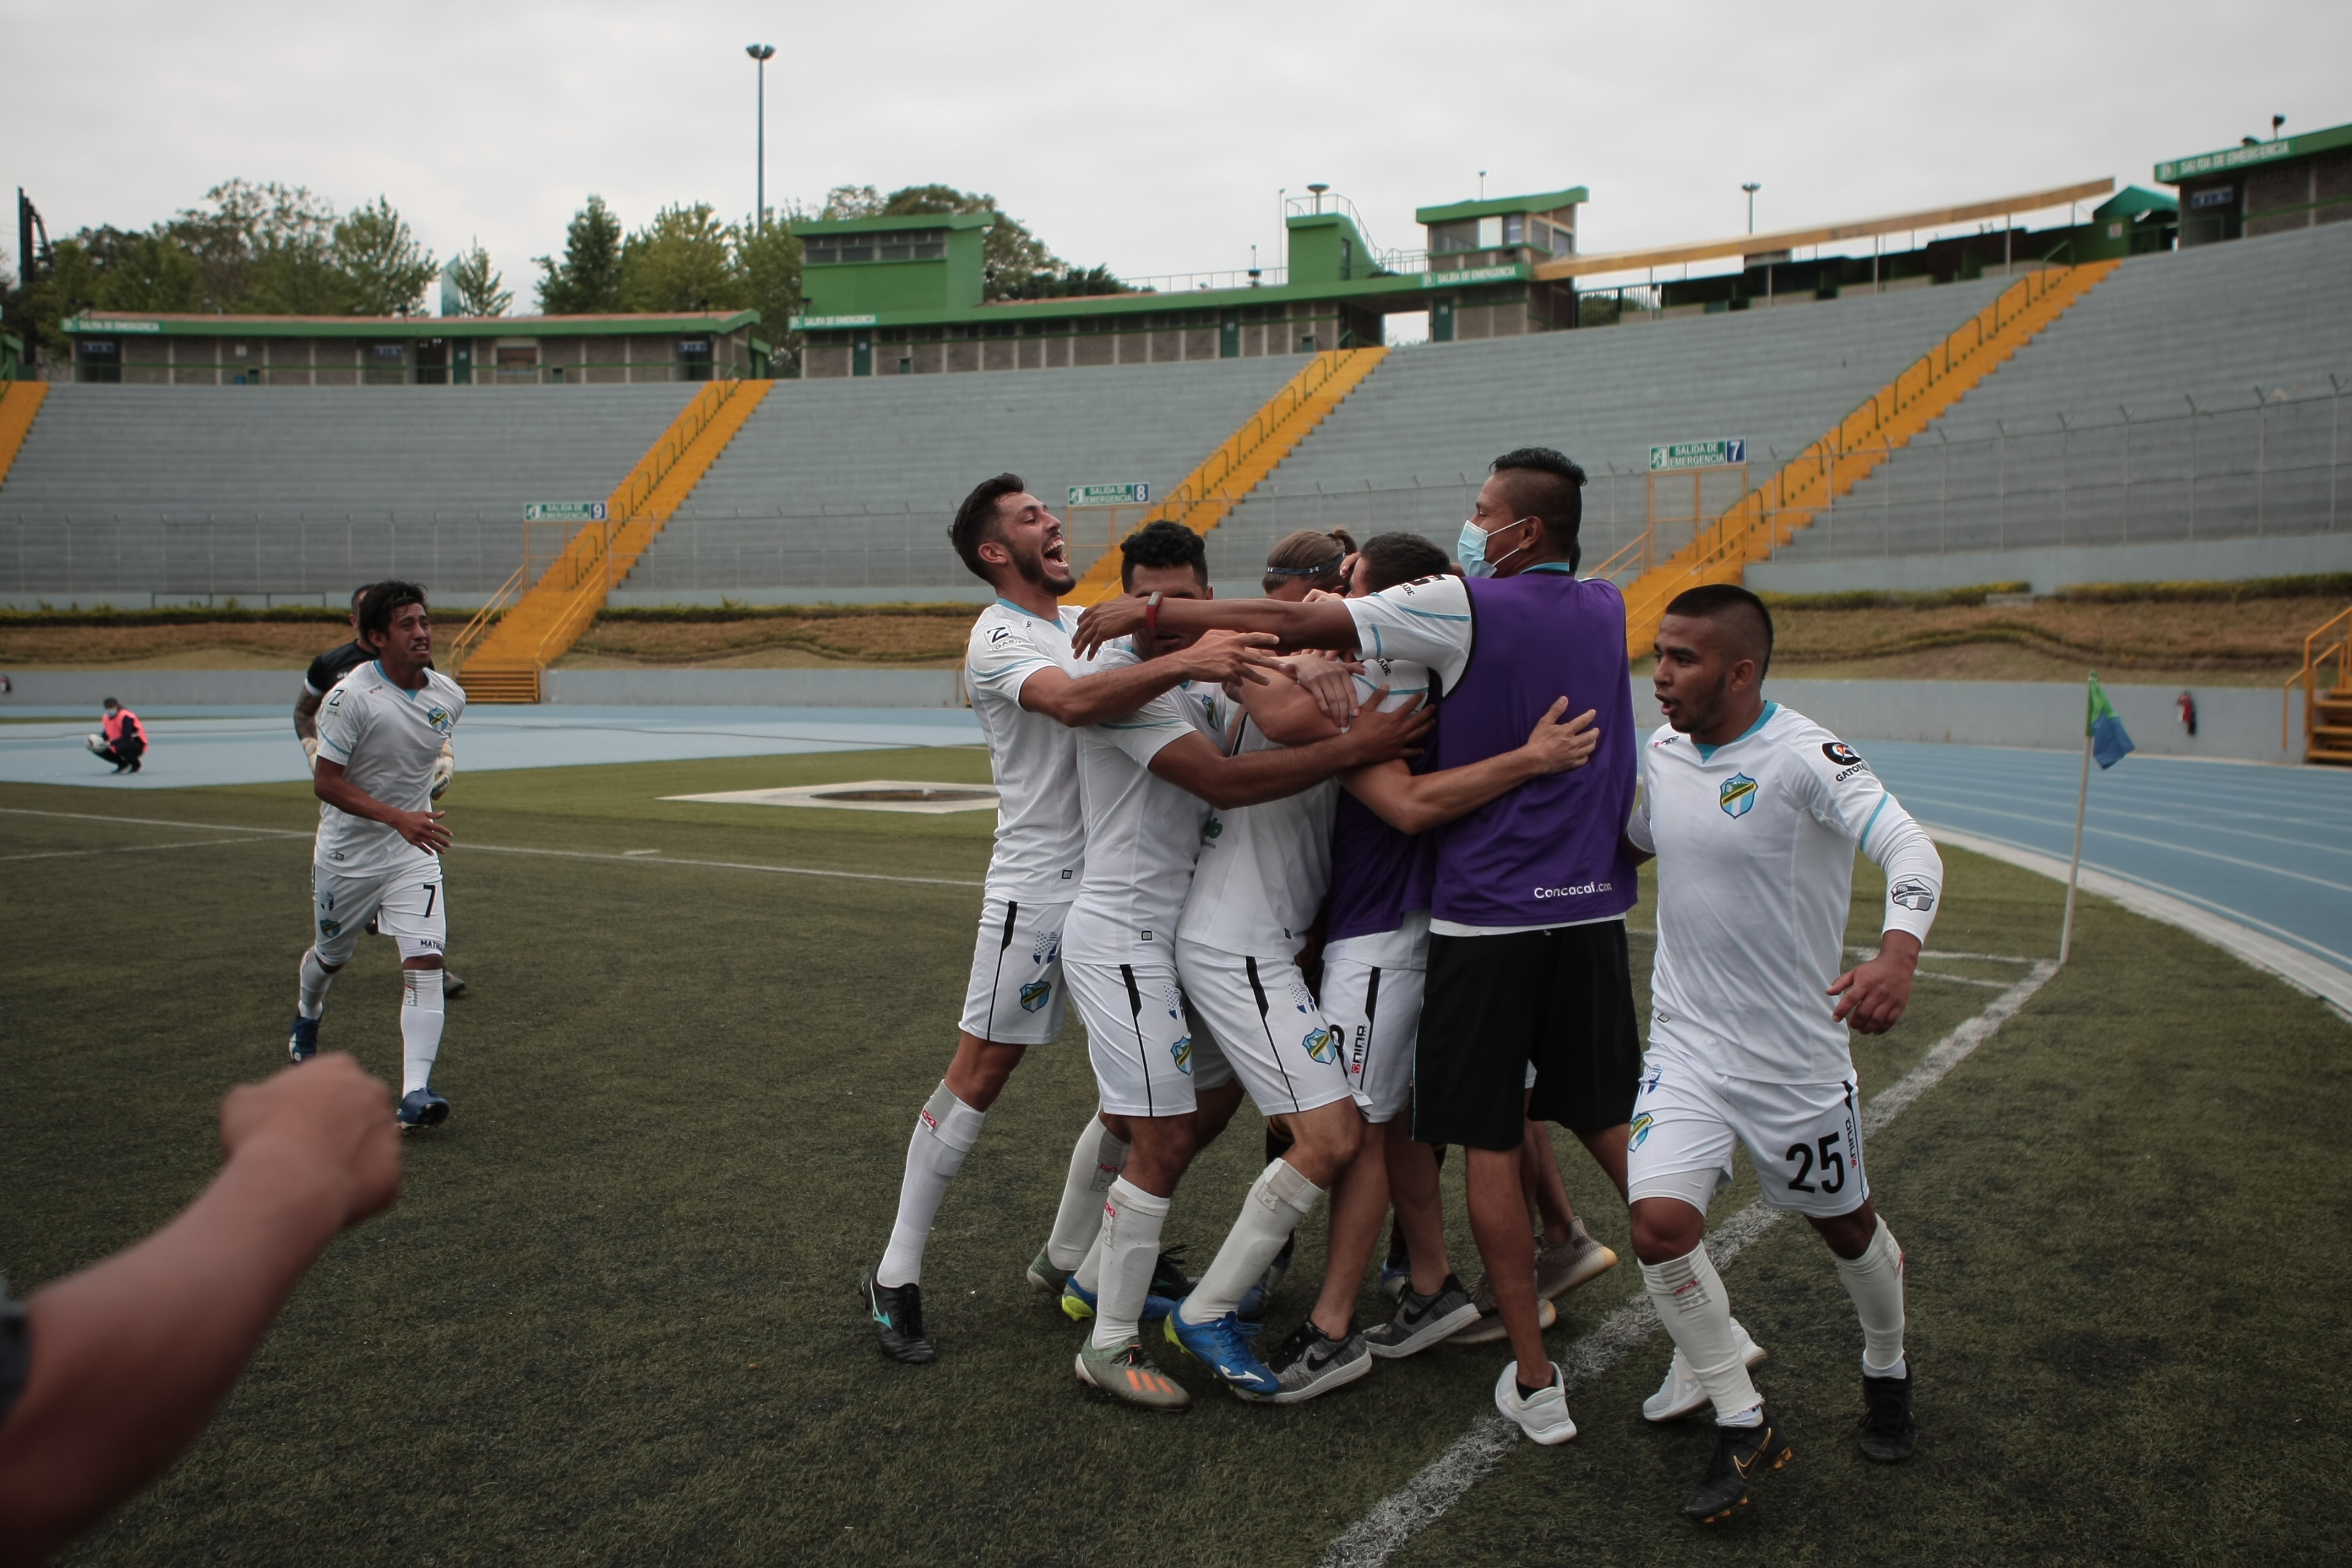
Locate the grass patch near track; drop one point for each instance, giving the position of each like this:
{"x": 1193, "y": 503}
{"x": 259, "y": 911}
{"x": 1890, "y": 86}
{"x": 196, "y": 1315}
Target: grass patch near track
{"x": 613, "y": 1321}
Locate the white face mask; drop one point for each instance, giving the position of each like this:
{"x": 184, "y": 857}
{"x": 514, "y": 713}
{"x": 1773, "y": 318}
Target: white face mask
{"x": 1472, "y": 550}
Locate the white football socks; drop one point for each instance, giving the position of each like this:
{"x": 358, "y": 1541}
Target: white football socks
{"x": 421, "y": 1013}
{"x": 1095, "y": 1162}
{"x": 1690, "y": 1299}
{"x": 1131, "y": 1223}
{"x": 945, "y": 1131}
{"x": 1278, "y": 1201}
{"x": 312, "y": 999}
{"x": 1875, "y": 1280}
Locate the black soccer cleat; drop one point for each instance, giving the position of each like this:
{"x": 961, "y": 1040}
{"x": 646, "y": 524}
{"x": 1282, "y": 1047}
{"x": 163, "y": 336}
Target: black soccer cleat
{"x": 1169, "y": 1279}
{"x": 451, "y": 986}
{"x": 1887, "y": 1433}
{"x": 897, "y": 1314}
{"x": 1742, "y": 1454}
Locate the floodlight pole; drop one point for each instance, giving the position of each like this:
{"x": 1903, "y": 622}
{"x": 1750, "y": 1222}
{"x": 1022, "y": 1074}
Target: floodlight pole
{"x": 1751, "y": 187}
{"x": 763, "y": 53}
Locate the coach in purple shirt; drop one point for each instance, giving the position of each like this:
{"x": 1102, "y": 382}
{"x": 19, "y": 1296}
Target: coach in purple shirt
{"x": 1528, "y": 960}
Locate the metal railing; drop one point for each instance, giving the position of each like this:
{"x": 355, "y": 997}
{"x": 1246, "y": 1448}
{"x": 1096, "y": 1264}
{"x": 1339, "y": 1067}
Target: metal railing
{"x": 2331, "y": 640}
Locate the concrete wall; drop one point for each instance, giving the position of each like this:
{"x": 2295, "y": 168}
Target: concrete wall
{"x": 2178, "y": 560}
{"x": 755, "y": 687}
{"x": 2235, "y": 722}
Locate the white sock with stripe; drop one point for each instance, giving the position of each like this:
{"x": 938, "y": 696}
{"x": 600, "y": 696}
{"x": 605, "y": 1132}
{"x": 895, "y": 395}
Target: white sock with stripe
{"x": 1689, "y": 1295}
{"x": 1095, "y": 1162}
{"x": 945, "y": 1131}
{"x": 1132, "y": 1220}
{"x": 1875, "y": 1280}
{"x": 310, "y": 998}
{"x": 1278, "y": 1201}
{"x": 423, "y": 1011}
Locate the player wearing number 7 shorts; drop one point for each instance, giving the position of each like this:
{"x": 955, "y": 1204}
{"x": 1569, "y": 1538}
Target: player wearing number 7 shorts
{"x": 1754, "y": 812}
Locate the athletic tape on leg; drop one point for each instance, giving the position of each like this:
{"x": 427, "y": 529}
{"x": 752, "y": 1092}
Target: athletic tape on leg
{"x": 1132, "y": 1220}
{"x": 1278, "y": 1201}
{"x": 1875, "y": 1280}
{"x": 1690, "y": 1299}
{"x": 944, "y": 1133}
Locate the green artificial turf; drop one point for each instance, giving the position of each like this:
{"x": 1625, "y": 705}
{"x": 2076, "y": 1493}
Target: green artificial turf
{"x": 613, "y": 1319}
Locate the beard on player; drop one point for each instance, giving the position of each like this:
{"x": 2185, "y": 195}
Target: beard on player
{"x": 1045, "y": 564}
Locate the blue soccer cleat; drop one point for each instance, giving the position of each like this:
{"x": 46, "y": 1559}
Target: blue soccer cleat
{"x": 303, "y": 1043}
{"x": 1223, "y": 1345}
{"x": 421, "y": 1107}
{"x": 1078, "y": 1302}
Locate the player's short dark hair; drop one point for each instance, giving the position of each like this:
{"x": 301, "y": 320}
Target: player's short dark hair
{"x": 1308, "y": 555}
{"x": 976, "y": 519}
{"x": 1729, "y": 605}
{"x": 1162, "y": 543}
{"x": 380, "y": 600}
{"x": 1393, "y": 558}
{"x": 359, "y": 593}
{"x": 1544, "y": 484}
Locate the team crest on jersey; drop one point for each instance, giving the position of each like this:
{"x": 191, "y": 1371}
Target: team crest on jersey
{"x": 1035, "y": 994}
{"x": 330, "y": 929}
{"x": 1913, "y": 894}
{"x": 1323, "y": 1045}
{"x": 1639, "y": 1130}
{"x": 440, "y": 720}
{"x": 1182, "y": 1052}
{"x": 1738, "y": 796}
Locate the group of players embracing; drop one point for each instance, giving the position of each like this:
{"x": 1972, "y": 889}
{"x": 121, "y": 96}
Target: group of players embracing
{"x": 1379, "y": 755}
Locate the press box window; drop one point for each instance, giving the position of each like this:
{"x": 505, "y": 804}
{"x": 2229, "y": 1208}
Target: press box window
{"x": 98, "y": 359}
{"x": 908, "y": 245}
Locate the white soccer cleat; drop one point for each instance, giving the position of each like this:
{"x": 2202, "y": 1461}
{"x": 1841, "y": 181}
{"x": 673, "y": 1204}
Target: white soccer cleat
{"x": 1545, "y": 1417}
{"x": 1681, "y": 1393}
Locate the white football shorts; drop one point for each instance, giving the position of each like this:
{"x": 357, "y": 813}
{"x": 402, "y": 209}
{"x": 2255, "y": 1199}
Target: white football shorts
{"x": 1804, "y": 1137}
{"x": 409, "y": 905}
{"x": 1014, "y": 995}
{"x": 1151, "y": 1055}
{"x": 1288, "y": 1055}
{"x": 1377, "y": 1011}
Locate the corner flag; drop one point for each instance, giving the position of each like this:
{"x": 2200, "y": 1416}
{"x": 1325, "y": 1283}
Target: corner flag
{"x": 2109, "y": 743}
{"x": 2103, "y": 738}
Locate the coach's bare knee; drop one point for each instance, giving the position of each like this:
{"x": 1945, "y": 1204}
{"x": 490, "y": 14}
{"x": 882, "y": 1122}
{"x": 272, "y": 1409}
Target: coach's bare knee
{"x": 978, "y": 1074}
{"x": 1665, "y": 1230}
{"x": 1849, "y": 1235}
{"x": 1325, "y": 1140}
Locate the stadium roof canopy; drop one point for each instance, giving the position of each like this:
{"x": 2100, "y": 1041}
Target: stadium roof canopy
{"x": 1503, "y": 207}
{"x": 2173, "y": 171}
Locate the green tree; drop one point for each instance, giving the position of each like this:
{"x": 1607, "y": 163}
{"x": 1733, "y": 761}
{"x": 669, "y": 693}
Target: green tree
{"x": 1015, "y": 262}
{"x": 265, "y": 248}
{"x": 149, "y": 272}
{"x": 769, "y": 262}
{"x": 385, "y": 271}
{"x": 587, "y": 281}
{"x": 683, "y": 261}
{"x": 477, "y": 288}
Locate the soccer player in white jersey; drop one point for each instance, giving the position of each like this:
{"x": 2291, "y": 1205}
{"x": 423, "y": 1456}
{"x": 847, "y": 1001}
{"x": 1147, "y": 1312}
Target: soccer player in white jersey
{"x": 1147, "y": 782}
{"x": 378, "y": 855}
{"x": 1754, "y": 812}
{"x": 1029, "y": 693}
{"x": 1263, "y": 871}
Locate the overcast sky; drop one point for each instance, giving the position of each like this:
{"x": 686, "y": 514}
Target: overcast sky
{"x": 1152, "y": 140}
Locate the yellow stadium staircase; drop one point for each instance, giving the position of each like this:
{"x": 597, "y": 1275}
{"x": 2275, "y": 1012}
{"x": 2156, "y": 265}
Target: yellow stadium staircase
{"x": 2326, "y": 697}
{"x": 502, "y": 654}
{"x": 19, "y": 402}
{"x": 1769, "y": 515}
{"x": 1242, "y": 462}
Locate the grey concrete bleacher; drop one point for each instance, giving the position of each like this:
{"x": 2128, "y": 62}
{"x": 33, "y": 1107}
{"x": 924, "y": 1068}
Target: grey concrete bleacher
{"x": 849, "y": 484}
{"x": 2246, "y": 333}
{"x": 1434, "y": 416}
{"x": 137, "y": 490}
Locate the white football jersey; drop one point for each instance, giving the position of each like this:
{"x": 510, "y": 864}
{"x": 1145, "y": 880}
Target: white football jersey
{"x": 1263, "y": 869}
{"x": 1041, "y": 839}
{"x": 1142, "y": 833}
{"x": 387, "y": 739}
{"x": 1755, "y": 840}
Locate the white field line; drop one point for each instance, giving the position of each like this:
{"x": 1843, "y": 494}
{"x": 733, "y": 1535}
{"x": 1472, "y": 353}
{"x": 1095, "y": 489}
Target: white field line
{"x": 640, "y": 859}
{"x": 1445, "y": 1480}
{"x": 125, "y": 849}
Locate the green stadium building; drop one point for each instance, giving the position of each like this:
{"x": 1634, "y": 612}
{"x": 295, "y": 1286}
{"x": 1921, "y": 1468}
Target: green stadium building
{"x": 2263, "y": 188}
{"x": 402, "y": 350}
{"x": 907, "y": 296}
